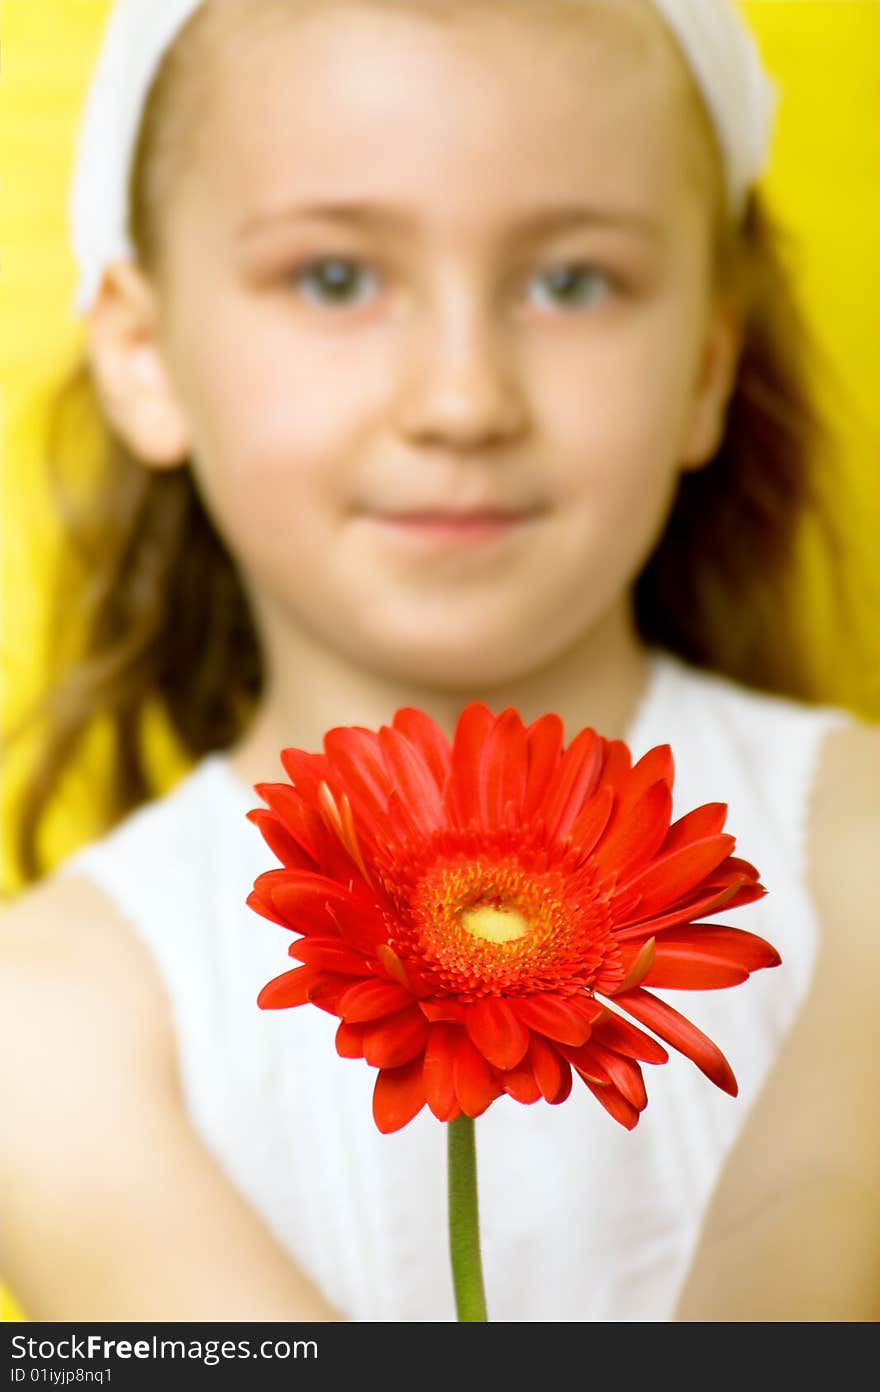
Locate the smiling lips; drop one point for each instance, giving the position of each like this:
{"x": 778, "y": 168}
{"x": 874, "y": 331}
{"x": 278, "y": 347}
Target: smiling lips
{"x": 447, "y": 525}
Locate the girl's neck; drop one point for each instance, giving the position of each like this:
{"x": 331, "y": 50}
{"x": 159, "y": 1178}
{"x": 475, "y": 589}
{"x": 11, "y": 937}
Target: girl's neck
{"x": 600, "y": 682}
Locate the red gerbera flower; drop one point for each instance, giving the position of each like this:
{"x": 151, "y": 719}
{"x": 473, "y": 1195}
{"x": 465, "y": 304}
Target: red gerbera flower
{"x": 471, "y": 911}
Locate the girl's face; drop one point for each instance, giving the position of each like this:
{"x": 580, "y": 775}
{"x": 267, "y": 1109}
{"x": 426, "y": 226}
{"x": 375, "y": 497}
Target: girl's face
{"x": 436, "y": 316}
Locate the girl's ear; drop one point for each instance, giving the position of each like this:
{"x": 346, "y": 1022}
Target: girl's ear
{"x": 125, "y": 354}
{"x": 715, "y": 381}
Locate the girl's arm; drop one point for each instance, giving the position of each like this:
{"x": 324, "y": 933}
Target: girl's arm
{"x": 793, "y": 1231}
{"x": 111, "y": 1207}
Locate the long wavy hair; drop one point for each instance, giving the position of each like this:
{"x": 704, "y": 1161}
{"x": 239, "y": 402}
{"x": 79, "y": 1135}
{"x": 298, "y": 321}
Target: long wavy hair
{"x": 161, "y": 615}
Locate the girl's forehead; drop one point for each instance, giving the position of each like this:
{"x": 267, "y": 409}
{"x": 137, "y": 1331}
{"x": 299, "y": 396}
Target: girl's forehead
{"x": 636, "y": 18}
{"x": 443, "y": 89}
{"x": 310, "y": 48}
{"x": 630, "y": 32}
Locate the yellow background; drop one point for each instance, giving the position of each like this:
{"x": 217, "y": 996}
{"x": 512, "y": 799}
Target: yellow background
{"x": 823, "y": 177}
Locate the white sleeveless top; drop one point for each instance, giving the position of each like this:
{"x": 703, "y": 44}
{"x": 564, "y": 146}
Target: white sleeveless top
{"x": 580, "y": 1219}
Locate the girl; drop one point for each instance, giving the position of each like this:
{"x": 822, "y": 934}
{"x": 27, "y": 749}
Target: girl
{"x": 443, "y": 354}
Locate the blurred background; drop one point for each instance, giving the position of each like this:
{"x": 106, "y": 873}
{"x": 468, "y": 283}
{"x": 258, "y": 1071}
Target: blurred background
{"x": 824, "y": 181}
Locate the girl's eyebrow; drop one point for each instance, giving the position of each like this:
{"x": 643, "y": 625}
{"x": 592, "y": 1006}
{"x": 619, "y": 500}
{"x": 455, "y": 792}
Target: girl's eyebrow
{"x": 384, "y": 217}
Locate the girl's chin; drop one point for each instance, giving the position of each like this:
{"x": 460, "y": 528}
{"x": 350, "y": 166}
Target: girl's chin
{"x": 456, "y": 661}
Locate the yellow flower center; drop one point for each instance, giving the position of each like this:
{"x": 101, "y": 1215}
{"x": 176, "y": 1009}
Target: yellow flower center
{"x": 495, "y": 923}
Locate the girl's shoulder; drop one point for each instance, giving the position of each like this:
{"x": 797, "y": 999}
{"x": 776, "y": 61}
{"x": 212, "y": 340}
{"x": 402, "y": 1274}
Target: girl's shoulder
{"x": 845, "y": 834}
{"x": 838, "y": 753}
{"x": 73, "y": 908}
{"x": 71, "y": 946}
{"x": 797, "y": 1199}
{"x": 69, "y": 937}
{"x": 837, "y": 750}
{"x": 684, "y": 690}
{"x": 72, "y": 960}
{"x": 182, "y": 814}
{"x": 769, "y": 756}
{"x": 166, "y": 854}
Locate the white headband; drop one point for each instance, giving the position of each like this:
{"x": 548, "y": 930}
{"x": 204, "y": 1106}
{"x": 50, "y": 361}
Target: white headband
{"x": 714, "y": 39}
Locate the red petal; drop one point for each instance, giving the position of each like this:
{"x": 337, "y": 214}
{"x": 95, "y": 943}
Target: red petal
{"x": 707, "y": 957}
{"x": 396, "y": 1039}
{"x": 624, "y": 1073}
{"x": 552, "y": 1073}
{"x": 747, "y": 894}
{"x": 305, "y": 771}
{"x": 296, "y": 891}
{"x": 329, "y": 954}
{"x": 655, "y": 766}
{"x": 503, "y": 769}
{"x": 688, "y": 973}
{"x": 398, "y": 1096}
{"x": 289, "y": 806}
{"x": 591, "y": 822}
{"x": 745, "y": 949}
{"x": 575, "y": 780}
{"x": 704, "y": 821}
{"x": 350, "y": 1040}
{"x": 428, "y": 738}
{"x": 361, "y": 925}
{"x": 371, "y": 999}
{"x": 291, "y": 988}
{"x": 475, "y": 1086}
{"x": 615, "y": 1104}
{"x": 554, "y": 1016}
{"x": 280, "y": 841}
{"x": 616, "y": 766}
{"x": 637, "y": 960}
{"x": 636, "y": 833}
{"x": 471, "y": 732}
{"x": 412, "y": 780}
{"x": 327, "y": 990}
{"x": 401, "y": 825}
{"x": 338, "y": 821}
{"x": 444, "y": 1009}
{"x": 439, "y": 1072}
{"x": 631, "y": 925}
{"x": 672, "y": 876}
{"x": 681, "y": 1034}
{"x": 586, "y": 1062}
{"x": 587, "y": 1007}
{"x": 624, "y": 1038}
{"x": 395, "y": 967}
{"x": 520, "y": 1083}
{"x": 737, "y": 866}
{"x": 261, "y": 904}
{"x": 354, "y": 755}
{"x": 544, "y": 749}
{"x": 496, "y": 1030}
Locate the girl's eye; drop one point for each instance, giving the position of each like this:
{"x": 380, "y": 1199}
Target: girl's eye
{"x": 333, "y": 280}
{"x": 576, "y": 286}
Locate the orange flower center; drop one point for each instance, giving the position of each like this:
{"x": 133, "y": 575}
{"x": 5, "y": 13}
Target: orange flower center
{"x": 500, "y": 919}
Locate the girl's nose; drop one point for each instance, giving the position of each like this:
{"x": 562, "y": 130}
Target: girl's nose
{"x": 460, "y": 385}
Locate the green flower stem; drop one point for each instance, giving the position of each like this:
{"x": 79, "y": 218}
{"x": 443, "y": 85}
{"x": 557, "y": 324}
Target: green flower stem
{"x": 464, "y": 1221}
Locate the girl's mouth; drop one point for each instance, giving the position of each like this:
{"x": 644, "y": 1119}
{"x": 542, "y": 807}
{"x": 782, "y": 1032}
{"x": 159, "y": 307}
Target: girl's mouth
{"x": 448, "y": 528}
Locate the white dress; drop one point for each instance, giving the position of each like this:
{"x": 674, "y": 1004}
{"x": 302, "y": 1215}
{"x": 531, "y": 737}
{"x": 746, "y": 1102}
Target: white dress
{"x": 581, "y": 1220}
